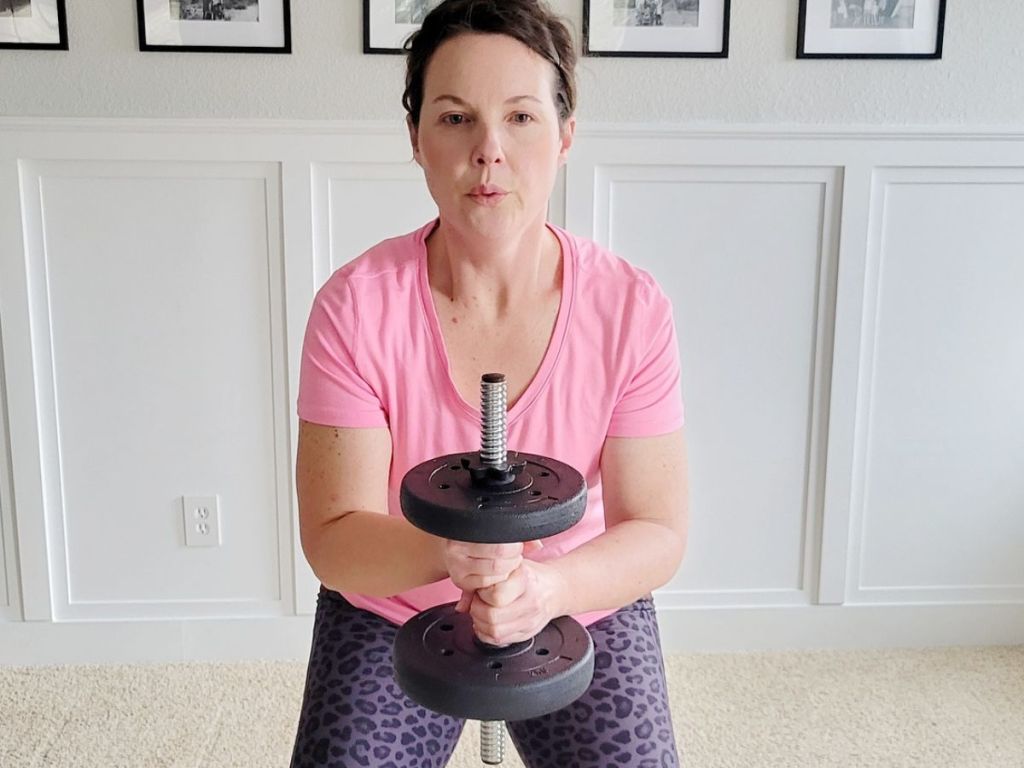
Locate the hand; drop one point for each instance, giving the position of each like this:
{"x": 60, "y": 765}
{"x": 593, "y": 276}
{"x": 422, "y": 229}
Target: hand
{"x": 519, "y": 607}
{"x": 477, "y": 566}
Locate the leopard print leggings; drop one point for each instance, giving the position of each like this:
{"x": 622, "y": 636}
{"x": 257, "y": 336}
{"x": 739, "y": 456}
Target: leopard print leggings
{"x": 354, "y": 714}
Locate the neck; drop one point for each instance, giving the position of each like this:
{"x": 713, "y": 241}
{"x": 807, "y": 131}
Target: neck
{"x": 493, "y": 278}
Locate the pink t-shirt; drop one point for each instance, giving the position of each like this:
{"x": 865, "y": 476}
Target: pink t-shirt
{"x": 374, "y": 356}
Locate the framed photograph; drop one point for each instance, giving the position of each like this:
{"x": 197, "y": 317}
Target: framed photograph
{"x": 39, "y": 24}
{"x": 692, "y": 28}
{"x": 388, "y": 23}
{"x": 870, "y": 29}
{"x": 215, "y": 26}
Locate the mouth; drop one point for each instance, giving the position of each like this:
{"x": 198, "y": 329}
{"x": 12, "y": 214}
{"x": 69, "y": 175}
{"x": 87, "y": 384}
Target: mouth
{"x": 487, "y": 194}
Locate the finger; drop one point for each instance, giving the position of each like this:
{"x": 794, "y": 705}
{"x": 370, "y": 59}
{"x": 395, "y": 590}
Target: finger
{"x": 497, "y": 622}
{"x": 474, "y": 582}
{"x": 468, "y": 578}
{"x": 463, "y": 558}
{"x": 488, "y": 566}
{"x": 484, "y": 628}
{"x": 474, "y": 574}
{"x": 490, "y": 640}
{"x": 489, "y": 551}
{"x": 496, "y": 567}
{"x": 465, "y": 601}
{"x": 502, "y": 635}
{"x": 504, "y": 593}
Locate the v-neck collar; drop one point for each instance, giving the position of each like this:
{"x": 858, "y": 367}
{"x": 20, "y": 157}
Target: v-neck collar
{"x": 555, "y": 344}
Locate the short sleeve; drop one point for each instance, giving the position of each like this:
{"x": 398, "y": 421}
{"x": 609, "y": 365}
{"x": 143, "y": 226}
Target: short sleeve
{"x": 651, "y": 402}
{"x": 331, "y": 389}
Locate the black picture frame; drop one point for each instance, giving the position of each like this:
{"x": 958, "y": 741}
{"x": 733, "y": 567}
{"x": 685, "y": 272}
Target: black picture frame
{"x": 279, "y": 24}
{"x": 721, "y": 11}
{"x": 811, "y": 36}
{"x": 383, "y": 33}
{"x": 60, "y": 44}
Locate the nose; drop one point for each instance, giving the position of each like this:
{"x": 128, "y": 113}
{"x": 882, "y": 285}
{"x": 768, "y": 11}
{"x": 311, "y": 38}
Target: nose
{"x": 488, "y": 149}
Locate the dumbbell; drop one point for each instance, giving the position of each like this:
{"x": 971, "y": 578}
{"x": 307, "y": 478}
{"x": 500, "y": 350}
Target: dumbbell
{"x": 492, "y": 497}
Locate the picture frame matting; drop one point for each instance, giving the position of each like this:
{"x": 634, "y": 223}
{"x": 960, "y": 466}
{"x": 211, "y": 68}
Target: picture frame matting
{"x": 33, "y": 25}
{"x": 870, "y": 29}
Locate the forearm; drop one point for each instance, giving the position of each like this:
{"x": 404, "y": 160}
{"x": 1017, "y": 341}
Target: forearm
{"x": 621, "y": 565}
{"x": 374, "y": 554}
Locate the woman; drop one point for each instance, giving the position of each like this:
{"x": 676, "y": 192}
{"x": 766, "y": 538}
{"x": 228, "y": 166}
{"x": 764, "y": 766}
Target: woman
{"x": 395, "y": 347}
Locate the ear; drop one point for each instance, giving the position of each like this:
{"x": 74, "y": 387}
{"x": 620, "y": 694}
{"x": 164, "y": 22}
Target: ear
{"x": 414, "y": 138}
{"x": 568, "y": 132}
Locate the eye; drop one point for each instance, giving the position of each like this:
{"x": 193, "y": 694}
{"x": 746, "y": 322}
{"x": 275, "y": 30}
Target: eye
{"x": 453, "y": 119}
{"x": 522, "y": 118}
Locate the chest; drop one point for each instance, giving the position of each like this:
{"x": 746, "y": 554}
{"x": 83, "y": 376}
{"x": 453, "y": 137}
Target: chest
{"x": 516, "y": 347}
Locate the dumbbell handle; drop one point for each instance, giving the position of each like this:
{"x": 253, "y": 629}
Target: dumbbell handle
{"x": 494, "y": 496}
{"x": 494, "y": 453}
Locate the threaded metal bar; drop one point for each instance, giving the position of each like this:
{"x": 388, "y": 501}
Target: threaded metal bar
{"x": 492, "y": 742}
{"x": 494, "y": 425}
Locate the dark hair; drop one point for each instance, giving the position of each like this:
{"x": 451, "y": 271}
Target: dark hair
{"x": 528, "y": 21}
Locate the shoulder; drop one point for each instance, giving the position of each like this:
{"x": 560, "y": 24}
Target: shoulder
{"x": 607, "y": 279}
{"x": 388, "y": 267}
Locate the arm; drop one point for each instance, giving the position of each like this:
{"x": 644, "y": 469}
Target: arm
{"x": 350, "y": 540}
{"x": 646, "y": 513}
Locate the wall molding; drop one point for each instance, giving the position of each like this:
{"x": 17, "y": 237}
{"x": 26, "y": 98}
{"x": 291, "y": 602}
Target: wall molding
{"x": 640, "y": 130}
{"x": 10, "y": 597}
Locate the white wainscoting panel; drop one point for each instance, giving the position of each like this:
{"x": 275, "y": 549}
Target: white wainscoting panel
{"x": 851, "y": 334}
{"x": 941, "y": 517}
{"x": 9, "y": 602}
{"x": 158, "y": 326}
{"x": 747, "y": 255}
{"x": 364, "y": 203}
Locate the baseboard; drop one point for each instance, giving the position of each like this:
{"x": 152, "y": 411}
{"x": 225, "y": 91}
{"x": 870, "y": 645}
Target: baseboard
{"x": 857, "y": 627}
{"x": 36, "y": 643}
{"x": 683, "y": 630}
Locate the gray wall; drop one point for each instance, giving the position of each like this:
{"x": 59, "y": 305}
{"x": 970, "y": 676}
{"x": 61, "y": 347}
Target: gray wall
{"x": 979, "y": 81}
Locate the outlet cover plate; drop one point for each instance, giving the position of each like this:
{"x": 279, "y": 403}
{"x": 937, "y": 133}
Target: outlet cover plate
{"x": 201, "y": 515}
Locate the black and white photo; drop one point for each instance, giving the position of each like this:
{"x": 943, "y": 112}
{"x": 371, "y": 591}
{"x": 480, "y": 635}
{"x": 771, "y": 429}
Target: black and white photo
{"x": 873, "y": 14}
{"x": 870, "y": 29}
{"x": 215, "y": 10}
{"x": 215, "y": 26}
{"x": 12, "y": 8}
{"x": 387, "y": 24}
{"x": 38, "y": 24}
{"x": 413, "y": 11}
{"x": 657, "y": 13}
{"x": 656, "y": 28}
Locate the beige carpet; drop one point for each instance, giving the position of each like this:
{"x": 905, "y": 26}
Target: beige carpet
{"x": 941, "y": 708}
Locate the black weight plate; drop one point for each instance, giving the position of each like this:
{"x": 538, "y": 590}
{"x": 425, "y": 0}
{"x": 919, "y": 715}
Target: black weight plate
{"x": 441, "y": 666}
{"x": 440, "y": 497}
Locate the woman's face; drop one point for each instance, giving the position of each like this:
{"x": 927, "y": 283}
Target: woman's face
{"x": 489, "y": 139}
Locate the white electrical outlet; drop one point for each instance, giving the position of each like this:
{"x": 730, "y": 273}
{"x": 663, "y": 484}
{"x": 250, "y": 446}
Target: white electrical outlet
{"x": 202, "y": 520}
